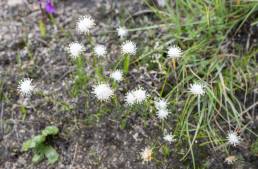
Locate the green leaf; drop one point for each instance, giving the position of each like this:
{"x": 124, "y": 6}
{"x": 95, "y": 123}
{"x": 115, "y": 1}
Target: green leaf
{"x": 51, "y": 154}
{"x": 37, "y": 157}
{"x": 28, "y": 144}
{"x": 50, "y": 130}
{"x": 38, "y": 139}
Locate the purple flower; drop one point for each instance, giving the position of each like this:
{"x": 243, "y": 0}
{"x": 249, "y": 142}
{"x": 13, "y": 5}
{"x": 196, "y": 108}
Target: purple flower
{"x": 49, "y": 8}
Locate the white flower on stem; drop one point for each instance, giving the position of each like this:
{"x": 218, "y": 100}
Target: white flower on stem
{"x": 85, "y": 24}
{"x": 197, "y": 89}
{"x": 136, "y": 96}
{"x": 129, "y": 98}
{"x": 174, "y": 52}
{"x": 146, "y": 154}
{"x": 122, "y": 32}
{"x": 233, "y": 138}
{"x": 117, "y": 75}
{"x": 75, "y": 49}
{"x": 169, "y": 138}
{"x": 162, "y": 114}
{"x": 100, "y": 50}
{"x": 128, "y": 47}
{"x": 230, "y": 160}
{"x": 160, "y": 104}
{"x": 140, "y": 95}
{"x": 25, "y": 87}
{"x": 103, "y": 91}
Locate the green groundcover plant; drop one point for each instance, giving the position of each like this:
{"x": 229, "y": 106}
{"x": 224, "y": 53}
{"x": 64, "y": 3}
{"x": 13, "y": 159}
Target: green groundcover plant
{"x": 40, "y": 148}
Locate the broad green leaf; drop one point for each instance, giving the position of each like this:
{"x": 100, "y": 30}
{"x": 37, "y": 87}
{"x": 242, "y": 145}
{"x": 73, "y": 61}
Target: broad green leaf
{"x": 28, "y": 144}
{"x": 50, "y": 130}
{"x": 51, "y": 154}
{"x": 37, "y": 157}
{"x": 38, "y": 139}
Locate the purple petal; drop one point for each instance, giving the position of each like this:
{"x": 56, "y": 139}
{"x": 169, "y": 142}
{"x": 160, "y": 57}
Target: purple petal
{"x": 50, "y": 8}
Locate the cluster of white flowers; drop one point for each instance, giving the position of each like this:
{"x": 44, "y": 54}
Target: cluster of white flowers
{"x": 161, "y": 106}
{"x": 136, "y": 96}
{"x": 103, "y": 91}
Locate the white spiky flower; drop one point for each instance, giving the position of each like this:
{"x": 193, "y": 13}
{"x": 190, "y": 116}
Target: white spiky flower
{"x": 136, "y": 96}
{"x": 233, "y": 138}
{"x": 128, "y": 47}
{"x": 122, "y": 32}
{"x": 174, "y": 52}
{"x": 25, "y": 87}
{"x": 103, "y": 91}
{"x": 129, "y": 98}
{"x": 162, "y": 114}
{"x": 100, "y": 50}
{"x": 75, "y": 49}
{"x": 85, "y": 24}
{"x": 169, "y": 137}
{"x": 160, "y": 104}
{"x": 197, "y": 89}
{"x": 140, "y": 95}
{"x": 117, "y": 75}
{"x": 146, "y": 154}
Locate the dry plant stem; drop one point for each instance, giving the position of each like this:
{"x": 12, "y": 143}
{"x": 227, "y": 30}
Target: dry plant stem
{"x": 174, "y": 64}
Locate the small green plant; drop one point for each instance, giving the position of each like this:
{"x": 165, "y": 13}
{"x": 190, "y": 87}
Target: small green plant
{"x": 39, "y": 147}
{"x": 165, "y": 151}
{"x": 254, "y": 148}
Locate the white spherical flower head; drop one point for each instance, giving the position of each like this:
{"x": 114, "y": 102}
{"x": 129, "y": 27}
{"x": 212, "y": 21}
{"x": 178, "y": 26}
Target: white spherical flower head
{"x": 197, "y": 89}
{"x": 85, "y": 24}
{"x": 140, "y": 95}
{"x": 122, "y": 32}
{"x": 169, "y": 138}
{"x": 174, "y": 52}
{"x": 25, "y": 87}
{"x": 103, "y": 92}
{"x": 162, "y": 114}
{"x": 75, "y": 49}
{"x": 160, "y": 104}
{"x": 146, "y": 154}
{"x": 100, "y": 50}
{"x": 129, "y": 47}
{"x": 233, "y": 138}
{"x": 136, "y": 96}
{"x": 117, "y": 75}
{"x": 129, "y": 98}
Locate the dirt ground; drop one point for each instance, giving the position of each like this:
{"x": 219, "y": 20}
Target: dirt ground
{"x": 103, "y": 145}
